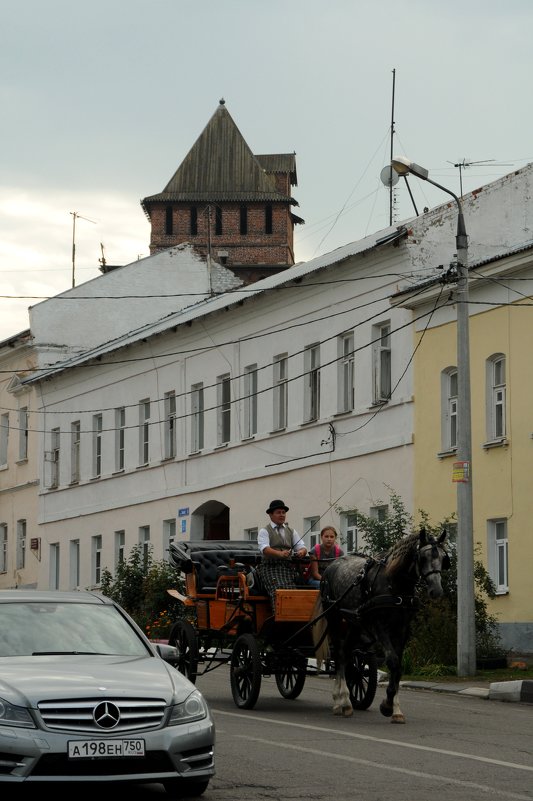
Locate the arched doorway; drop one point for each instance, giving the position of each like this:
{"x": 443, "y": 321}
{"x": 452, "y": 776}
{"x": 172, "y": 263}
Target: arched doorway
{"x": 210, "y": 521}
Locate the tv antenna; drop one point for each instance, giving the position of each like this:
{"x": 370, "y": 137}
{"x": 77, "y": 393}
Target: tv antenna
{"x": 76, "y": 216}
{"x": 464, "y": 163}
{"x": 388, "y": 176}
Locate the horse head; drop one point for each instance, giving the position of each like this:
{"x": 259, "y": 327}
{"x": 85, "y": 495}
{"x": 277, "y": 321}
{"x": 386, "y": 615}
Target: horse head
{"x": 432, "y": 559}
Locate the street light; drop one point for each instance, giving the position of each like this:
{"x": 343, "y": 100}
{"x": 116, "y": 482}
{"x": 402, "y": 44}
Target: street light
{"x": 466, "y": 633}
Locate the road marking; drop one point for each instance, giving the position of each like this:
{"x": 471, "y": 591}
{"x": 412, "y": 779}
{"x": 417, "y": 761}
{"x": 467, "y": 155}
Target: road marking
{"x": 369, "y": 738}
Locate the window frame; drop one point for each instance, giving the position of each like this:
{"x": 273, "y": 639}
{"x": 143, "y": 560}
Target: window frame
{"x": 496, "y": 398}
{"x": 498, "y": 549}
{"x": 98, "y": 424}
{"x": 23, "y": 433}
{"x": 4, "y": 547}
{"x": 144, "y": 432}
{"x": 22, "y": 533}
{"x": 223, "y": 409}
{"x": 75, "y": 451}
{"x": 120, "y": 438}
{"x": 346, "y": 372}
{"x": 312, "y": 383}
{"x": 197, "y": 417}
{"x": 280, "y": 368}
{"x": 170, "y": 425}
{"x": 250, "y": 398}
{"x": 381, "y": 362}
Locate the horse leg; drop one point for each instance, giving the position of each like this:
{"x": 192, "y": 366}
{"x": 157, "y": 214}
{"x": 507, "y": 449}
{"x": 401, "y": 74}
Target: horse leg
{"x": 341, "y": 695}
{"x": 390, "y": 706}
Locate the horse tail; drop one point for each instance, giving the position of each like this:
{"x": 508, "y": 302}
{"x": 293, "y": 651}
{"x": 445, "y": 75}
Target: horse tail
{"x": 320, "y": 628}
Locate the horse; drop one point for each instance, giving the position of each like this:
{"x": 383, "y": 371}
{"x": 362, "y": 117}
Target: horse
{"x": 364, "y": 601}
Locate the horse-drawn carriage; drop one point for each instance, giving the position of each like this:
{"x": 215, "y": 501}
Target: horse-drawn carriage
{"x": 229, "y": 620}
{"x": 363, "y": 602}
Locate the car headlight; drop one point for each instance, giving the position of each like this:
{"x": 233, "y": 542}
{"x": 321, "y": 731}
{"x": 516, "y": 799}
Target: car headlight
{"x": 193, "y": 708}
{"x": 11, "y": 715}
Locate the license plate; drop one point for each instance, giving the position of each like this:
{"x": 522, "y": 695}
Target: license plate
{"x": 101, "y": 749}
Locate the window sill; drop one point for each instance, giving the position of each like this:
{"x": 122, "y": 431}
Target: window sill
{"x": 195, "y": 453}
{"x": 167, "y": 459}
{"x": 74, "y": 482}
{"x": 249, "y": 438}
{"x": 309, "y": 422}
{"x": 495, "y": 443}
{"x": 221, "y": 446}
{"x": 377, "y": 403}
{"x": 118, "y": 472}
{"x": 344, "y": 413}
{"x": 24, "y": 460}
{"x": 502, "y": 592}
{"x": 447, "y": 453}
{"x": 278, "y": 430}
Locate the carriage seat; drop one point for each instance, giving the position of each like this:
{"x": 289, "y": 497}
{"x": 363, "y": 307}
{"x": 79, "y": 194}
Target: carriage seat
{"x": 210, "y": 558}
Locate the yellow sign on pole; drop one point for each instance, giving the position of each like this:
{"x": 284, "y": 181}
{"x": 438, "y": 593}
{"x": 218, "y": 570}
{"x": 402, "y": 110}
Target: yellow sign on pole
{"x": 461, "y": 472}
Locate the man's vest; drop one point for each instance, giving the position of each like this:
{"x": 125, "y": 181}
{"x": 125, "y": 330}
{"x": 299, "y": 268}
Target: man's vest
{"x": 276, "y": 540}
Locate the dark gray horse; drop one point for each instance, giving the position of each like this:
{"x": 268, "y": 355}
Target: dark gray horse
{"x": 367, "y": 601}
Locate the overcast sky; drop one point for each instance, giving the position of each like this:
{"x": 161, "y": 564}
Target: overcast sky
{"x": 102, "y": 100}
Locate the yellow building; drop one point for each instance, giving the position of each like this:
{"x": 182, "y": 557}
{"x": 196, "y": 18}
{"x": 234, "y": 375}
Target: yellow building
{"x": 501, "y": 377}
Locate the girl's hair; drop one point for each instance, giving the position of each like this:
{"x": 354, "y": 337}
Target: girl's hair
{"x": 329, "y": 528}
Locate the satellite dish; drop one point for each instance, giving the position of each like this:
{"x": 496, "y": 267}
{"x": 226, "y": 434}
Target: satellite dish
{"x": 389, "y": 177}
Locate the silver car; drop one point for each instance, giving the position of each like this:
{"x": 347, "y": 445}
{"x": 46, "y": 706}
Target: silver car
{"x": 86, "y": 697}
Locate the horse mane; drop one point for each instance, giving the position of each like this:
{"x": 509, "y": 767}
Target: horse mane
{"x": 401, "y": 553}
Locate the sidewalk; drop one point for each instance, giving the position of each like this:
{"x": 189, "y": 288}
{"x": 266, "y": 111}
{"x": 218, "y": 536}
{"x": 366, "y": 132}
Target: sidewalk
{"x": 520, "y": 690}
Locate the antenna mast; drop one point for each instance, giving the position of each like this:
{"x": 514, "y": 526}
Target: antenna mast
{"x": 75, "y": 215}
{"x": 391, "y": 189}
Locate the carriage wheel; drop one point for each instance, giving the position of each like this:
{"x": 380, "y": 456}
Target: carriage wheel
{"x": 183, "y": 637}
{"x": 362, "y": 678}
{"x": 245, "y": 672}
{"x": 291, "y": 679}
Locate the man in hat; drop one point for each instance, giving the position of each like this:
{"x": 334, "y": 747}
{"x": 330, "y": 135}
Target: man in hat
{"x": 278, "y": 542}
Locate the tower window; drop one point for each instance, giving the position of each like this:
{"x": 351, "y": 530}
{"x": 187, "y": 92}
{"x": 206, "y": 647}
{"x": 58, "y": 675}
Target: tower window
{"x": 194, "y": 221}
{"x": 268, "y": 219}
{"x": 169, "y": 223}
{"x": 244, "y": 220}
{"x": 218, "y": 220}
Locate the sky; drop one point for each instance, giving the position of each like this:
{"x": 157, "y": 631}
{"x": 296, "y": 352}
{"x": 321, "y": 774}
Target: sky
{"x": 102, "y": 101}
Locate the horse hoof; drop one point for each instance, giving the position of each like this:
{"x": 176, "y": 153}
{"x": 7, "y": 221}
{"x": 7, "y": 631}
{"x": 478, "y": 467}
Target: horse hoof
{"x": 347, "y": 711}
{"x": 397, "y": 719}
{"x": 385, "y": 709}
{"x": 337, "y": 710}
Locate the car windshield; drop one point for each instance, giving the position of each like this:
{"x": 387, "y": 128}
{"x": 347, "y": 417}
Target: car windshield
{"x": 49, "y": 628}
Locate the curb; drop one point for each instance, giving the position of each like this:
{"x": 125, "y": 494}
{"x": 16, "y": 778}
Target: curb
{"x": 520, "y": 691}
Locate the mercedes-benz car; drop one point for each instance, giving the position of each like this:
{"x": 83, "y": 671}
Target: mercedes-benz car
{"x": 86, "y": 697}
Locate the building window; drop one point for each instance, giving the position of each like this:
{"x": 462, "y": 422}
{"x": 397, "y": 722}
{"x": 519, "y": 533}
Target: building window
{"x": 3, "y": 548}
{"x": 23, "y": 434}
{"x": 75, "y": 433}
{"x": 311, "y": 535}
{"x": 21, "y": 544}
{"x": 496, "y": 391}
{"x": 381, "y": 362}
{"x": 379, "y": 513}
{"x": 193, "y": 221}
{"x": 53, "y": 457}
{"x": 345, "y": 375}
{"x": 54, "y": 574}
{"x": 144, "y": 432}
{"x": 312, "y": 383}
{"x": 197, "y": 417}
{"x": 280, "y": 391}
{"x": 97, "y": 445}
{"x": 96, "y": 556}
{"x": 223, "y": 409}
{"x": 169, "y": 220}
{"x": 449, "y": 405}
{"x": 243, "y": 220}
{"x": 498, "y": 554}
{"x": 120, "y": 545}
{"x": 120, "y": 437}
{"x": 74, "y": 580}
{"x": 251, "y": 534}
{"x": 169, "y": 534}
{"x": 268, "y": 219}
{"x": 144, "y": 540}
{"x": 170, "y": 425}
{"x": 218, "y": 220}
{"x": 4, "y": 438}
{"x": 250, "y": 400}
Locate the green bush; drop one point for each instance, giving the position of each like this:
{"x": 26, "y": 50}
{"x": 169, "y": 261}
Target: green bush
{"x": 140, "y": 586}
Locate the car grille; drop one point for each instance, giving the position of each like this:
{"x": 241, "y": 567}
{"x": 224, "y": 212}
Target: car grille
{"x": 155, "y": 762}
{"x": 109, "y": 715}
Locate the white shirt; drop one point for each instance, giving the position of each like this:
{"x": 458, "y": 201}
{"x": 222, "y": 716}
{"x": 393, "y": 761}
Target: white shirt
{"x": 263, "y": 538}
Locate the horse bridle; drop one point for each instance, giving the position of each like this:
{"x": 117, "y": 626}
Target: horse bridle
{"x": 431, "y": 572}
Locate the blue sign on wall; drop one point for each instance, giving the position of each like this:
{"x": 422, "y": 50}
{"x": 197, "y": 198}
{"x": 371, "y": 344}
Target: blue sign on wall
{"x": 183, "y": 512}
{"x": 183, "y": 526}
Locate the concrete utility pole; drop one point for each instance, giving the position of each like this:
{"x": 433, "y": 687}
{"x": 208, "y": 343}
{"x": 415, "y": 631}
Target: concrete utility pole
{"x": 466, "y": 631}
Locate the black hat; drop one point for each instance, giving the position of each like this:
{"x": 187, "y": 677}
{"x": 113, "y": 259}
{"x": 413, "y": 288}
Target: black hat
{"x": 276, "y": 505}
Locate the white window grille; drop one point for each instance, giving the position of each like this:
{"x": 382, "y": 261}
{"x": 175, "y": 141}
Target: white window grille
{"x": 75, "y": 433}
{"x": 21, "y": 544}
{"x": 4, "y": 438}
{"x": 120, "y": 438}
{"x": 23, "y": 433}
{"x": 498, "y": 554}
{"x": 223, "y": 409}
{"x": 197, "y": 417}
{"x": 144, "y": 539}
{"x": 96, "y": 559}
{"x": 170, "y": 425}
{"x": 250, "y": 400}
{"x": 311, "y": 532}
{"x": 169, "y": 534}
{"x": 3, "y": 547}
{"x": 312, "y": 383}
{"x": 449, "y": 409}
{"x": 74, "y": 580}
{"x": 120, "y": 546}
{"x": 381, "y": 362}
{"x": 97, "y": 445}
{"x": 496, "y": 397}
{"x": 54, "y": 568}
{"x": 345, "y": 376}
{"x": 144, "y": 432}
{"x": 280, "y": 368}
